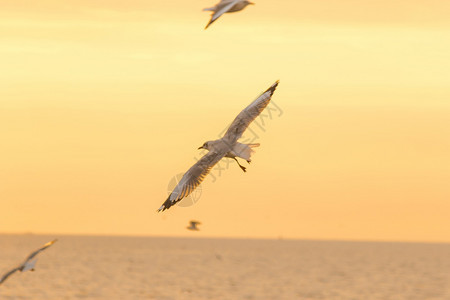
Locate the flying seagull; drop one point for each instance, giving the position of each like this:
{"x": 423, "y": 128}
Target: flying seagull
{"x": 29, "y": 262}
{"x": 226, "y": 6}
{"x": 193, "y": 226}
{"x": 227, "y": 146}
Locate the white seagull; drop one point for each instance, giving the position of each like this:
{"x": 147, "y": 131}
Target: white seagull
{"x": 227, "y": 146}
{"x": 226, "y": 6}
{"x": 193, "y": 225}
{"x": 29, "y": 262}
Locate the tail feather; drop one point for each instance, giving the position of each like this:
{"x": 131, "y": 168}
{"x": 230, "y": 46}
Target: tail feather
{"x": 209, "y": 9}
{"x": 244, "y": 150}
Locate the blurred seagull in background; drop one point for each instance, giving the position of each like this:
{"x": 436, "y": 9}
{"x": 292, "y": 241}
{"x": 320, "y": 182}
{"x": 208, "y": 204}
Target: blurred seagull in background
{"x": 227, "y": 146}
{"x": 226, "y": 6}
{"x": 29, "y": 262}
{"x": 193, "y": 226}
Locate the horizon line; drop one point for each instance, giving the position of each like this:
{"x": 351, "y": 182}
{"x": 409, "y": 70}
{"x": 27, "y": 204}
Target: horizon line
{"x": 278, "y": 238}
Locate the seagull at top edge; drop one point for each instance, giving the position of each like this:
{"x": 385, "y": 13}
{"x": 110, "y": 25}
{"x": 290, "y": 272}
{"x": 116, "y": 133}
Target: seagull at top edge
{"x": 227, "y": 146}
{"x": 226, "y": 6}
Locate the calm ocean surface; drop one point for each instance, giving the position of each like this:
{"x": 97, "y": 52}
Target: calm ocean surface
{"x": 81, "y": 267}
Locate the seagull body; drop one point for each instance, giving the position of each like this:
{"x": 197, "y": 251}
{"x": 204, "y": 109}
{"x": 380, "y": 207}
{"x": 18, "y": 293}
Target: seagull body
{"x": 193, "y": 226}
{"x": 227, "y": 146}
{"x": 29, "y": 262}
{"x": 238, "y": 150}
{"x": 226, "y": 6}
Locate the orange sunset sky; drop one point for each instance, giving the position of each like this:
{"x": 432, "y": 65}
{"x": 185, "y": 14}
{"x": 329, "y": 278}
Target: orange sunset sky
{"x": 103, "y": 102}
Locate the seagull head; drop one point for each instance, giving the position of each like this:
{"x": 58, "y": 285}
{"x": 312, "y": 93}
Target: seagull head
{"x": 204, "y": 146}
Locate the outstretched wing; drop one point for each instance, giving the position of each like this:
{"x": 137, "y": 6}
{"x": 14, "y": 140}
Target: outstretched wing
{"x": 221, "y": 9}
{"x": 245, "y": 117}
{"x": 8, "y": 274}
{"x": 33, "y": 254}
{"x": 192, "y": 178}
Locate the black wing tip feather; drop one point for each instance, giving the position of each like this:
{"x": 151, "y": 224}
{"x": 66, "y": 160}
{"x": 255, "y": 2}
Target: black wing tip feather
{"x": 272, "y": 88}
{"x": 209, "y": 23}
{"x": 166, "y": 205}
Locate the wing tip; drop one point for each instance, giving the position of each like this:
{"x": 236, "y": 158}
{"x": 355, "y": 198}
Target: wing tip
{"x": 207, "y": 25}
{"x": 50, "y": 243}
{"x": 166, "y": 205}
{"x": 272, "y": 87}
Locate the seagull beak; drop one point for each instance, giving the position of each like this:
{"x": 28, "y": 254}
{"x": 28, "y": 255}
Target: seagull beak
{"x": 201, "y": 147}
{"x": 251, "y": 3}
